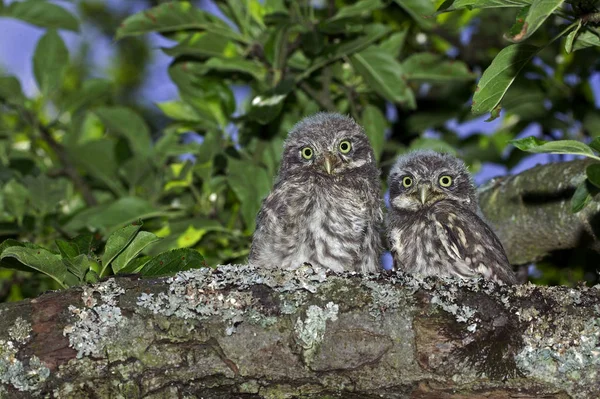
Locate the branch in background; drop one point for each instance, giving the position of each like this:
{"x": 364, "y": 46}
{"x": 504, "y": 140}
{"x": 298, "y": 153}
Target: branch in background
{"x": 322, "y": 99}
{"x": 531, "y": 211}
{"x": 245, "y": 332}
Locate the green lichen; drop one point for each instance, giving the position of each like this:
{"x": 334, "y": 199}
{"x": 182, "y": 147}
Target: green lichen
{"x": 310, "y": 331}
{"x": 20, "y": 331}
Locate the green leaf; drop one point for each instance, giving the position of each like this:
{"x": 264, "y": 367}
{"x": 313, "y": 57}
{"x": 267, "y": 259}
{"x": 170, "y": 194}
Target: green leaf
{"x": 77, "y": 266}
{"x": 43, "y": 14}
{"x": 203, "y": 44}
{"x": 539, "y": 11}
{"x": 16, "y": 199}
{"x": 92, "y": 91}
{"x": 10, "y": 90}
{"x": 435, "y": 68}
{"x": 571, "y": 37}
{"x": 175, "y": 16}
{"x": 384, "y": 74}
{"x": 593, "y": 174}
{"x": 498, "y": 77}
{"x": 45, "y": 193}
{"x": 12, "y": 263}
{"x": 173, "y": 261}
{"x": 136, "y": 265}
{"x": 535, "y": 145}
{"x": 141, "y": 241}
{"x": 252, "y": 68}
{"x": 250, "y": 192}
{"x": 42, "y": 261}
{"x": 128, "y": 124}
{"x": 375, "y": 124}
{"x": 50, "y": 62}
{"x": 109, "y": 216}
{"x": 589, "y": 37}
{"x": 595, "y": 144}
{"x": 372, "y": 33}
{"x": 179, "y": 110}
{"x": 420, "y": 10}
{"x": 471, "y": 4}
{"x": 98, "y": 159}
{"x": 394, "y": 43}
{"x": 116, "y": 243}
{"x": 581, "y": 197}
{"x": 519, "y": 22}
{"x": 357, "y": 9}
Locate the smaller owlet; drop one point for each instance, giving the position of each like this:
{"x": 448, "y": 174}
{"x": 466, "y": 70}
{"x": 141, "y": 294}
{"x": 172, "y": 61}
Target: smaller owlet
{"x": 434, "y": 224}
{"x": 325, "y": 206}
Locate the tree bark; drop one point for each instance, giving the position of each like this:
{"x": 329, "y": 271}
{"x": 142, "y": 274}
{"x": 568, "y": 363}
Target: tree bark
{"x": 239, "y": 332}
{"x": 531, "y": 211}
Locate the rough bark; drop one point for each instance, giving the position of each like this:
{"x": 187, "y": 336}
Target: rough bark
{"x": 241, "y": 333}
{"x": 531, "y": 211}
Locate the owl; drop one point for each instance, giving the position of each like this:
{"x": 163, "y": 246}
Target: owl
{"x": 325, "y": 206}
{"x": 434, "y": 224}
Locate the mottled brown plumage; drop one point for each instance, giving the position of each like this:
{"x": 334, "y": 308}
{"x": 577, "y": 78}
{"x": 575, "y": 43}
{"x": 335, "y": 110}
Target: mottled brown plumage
{"x": 435, "y": 226}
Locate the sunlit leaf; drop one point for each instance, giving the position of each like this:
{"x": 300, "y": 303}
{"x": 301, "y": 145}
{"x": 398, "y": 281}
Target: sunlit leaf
{"x": 43, "y": 14}
{"x": 539, "y": 11}
{"x": 43, "y": 261}
{"x": 357, "y": 9}
{"x": 535, "y": 145}
{"x": 116, "y": 243}
{"x": 498, "y": 77}
{"x": 141, "y": 240}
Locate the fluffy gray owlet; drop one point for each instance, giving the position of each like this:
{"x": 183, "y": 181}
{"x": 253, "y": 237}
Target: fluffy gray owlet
{"x": 325, "y": 206}
{"x": 434, "y": 225}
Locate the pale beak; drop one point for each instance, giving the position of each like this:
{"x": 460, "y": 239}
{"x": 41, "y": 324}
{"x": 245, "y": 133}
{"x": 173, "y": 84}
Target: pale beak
{"x": 423, "y": 193}
{"x": 330, "y": 162}
{"x": 327, "y": 165}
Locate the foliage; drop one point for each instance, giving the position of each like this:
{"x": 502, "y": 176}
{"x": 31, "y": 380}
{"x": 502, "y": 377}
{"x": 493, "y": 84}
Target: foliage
{"x": 86, "y": 155}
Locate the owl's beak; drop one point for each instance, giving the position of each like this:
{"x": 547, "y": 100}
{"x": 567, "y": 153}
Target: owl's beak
{"x": 329, "y": 162}
{"x": 423, "y": 193}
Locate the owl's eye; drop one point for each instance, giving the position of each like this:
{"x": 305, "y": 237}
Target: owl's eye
{"x": 345, "y": 147}
{"x": 445, "y": 181}
{"x": 307, "y": 153}
{"x": 407, "y": 181}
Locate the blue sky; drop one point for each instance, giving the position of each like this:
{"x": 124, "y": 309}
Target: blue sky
{"x": 18, "y": 41}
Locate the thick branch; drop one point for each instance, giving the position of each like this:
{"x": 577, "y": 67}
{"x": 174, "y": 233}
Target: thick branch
{"x": 242, "y": 333}
{"x": 531, "y": 211}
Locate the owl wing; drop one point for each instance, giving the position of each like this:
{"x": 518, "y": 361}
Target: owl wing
{"x": 473, "y": 246}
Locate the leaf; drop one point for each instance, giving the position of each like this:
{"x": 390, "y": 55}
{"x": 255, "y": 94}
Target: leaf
{"x": 109, "y": 216}
{"x": 42, "y": 261}
{"x": 237, "y": 64}
{"x": 173, "y": 261}
{"x": 435, "y": 68}
{"x": 179, "y": 110}
{"x": 12, "y": 263}
{"x": 535, "y": 145}
{"x": 128, "y": 124}
{"x": 590, "y": 37}
{"x": 16, "y": 199}
{"x": 471, "y": 4}
{"x": 420, "y": 10}
{"x": 595, "y": 144}
{"x": 357, "y": 9}
{"x": 593, "y": 174}
{"x": 190, "y": 237}
{"x": 498, "y": 77}
{"x": 375, "y": 124}
{"x": 384, "y": 74}
{"x": 45, "y": 193}
{"x": 250, "y": 192}
{"x": 77, "y": 266}
{"x": 98, "y": 159}
{"x": 116, "y": 243}
{"x": 203, "y": 44}
{"x": 581, "y": 197}
{"x": 175, "y": 16}
{"x": 394, "y": 43}
{"x": 136, "y": 265}
{"x": 43, "y": 14}
{"x": 517, "y": 27}
{"x": 141, "y": 241}
{"x": 92, "y": 91}
{"x": 571, "y": 37}
{"x": 50, "y": 62}
{"x": 10, "y": 90}
{"x": 539, "y": 11}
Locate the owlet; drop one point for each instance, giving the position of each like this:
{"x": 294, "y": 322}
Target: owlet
{"x": 435, "y": 226}
{"x": 325, "y": 206}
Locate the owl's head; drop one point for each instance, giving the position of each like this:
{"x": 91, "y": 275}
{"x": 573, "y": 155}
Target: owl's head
{"x": 326, "y": 144}
{"x": 422, "y": 178}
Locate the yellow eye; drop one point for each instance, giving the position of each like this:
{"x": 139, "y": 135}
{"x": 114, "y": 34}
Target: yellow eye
{"x": 307, "y": 153}
{"x": 445, "y": 181}
{"x": 407, "y": 181}
{"x": 345, "y": 147}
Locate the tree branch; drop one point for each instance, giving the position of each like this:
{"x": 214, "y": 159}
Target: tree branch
{"x": 531, "y": 213}
{"x": 243, "y": 332}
